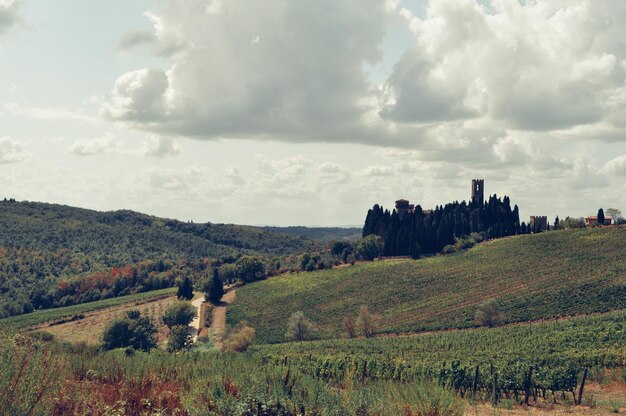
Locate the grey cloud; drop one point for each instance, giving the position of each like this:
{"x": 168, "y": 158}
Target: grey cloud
{"x": 9, "y": 15}
{"x": 135, "y": 38}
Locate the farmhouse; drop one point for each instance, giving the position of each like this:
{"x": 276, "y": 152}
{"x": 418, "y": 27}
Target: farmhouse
{"x": 592, "y": 221}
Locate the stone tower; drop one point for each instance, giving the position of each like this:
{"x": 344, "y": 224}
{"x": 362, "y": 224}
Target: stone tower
{"x": 478, "y": 191}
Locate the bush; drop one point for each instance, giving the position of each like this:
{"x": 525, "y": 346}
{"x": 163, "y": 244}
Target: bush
{"x": 488, "y": 314}
{"x": 131, "y": 331}
{"x": 240, "y": 338}
{"x": 208, "y": 314}
{"x": 180, "y": 313}
{"x": 179, "y": 338}
{"x": 369, "y": 247}
{"x": 367, "y": 322}
{"x": 299, "y": 328}
{"x": 350, "y": 326}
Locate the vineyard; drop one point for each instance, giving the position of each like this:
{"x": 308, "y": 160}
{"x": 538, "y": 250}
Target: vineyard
{"x": 560, "y": 273}
{"x": 522, "y": 361}
{"x": 56, "y": 314}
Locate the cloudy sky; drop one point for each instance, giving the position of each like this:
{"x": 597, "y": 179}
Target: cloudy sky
{"x": 292, "y": 112}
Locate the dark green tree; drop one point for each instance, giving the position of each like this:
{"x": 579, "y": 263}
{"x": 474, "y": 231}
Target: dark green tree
{"x": 185, "y": 288}
{"x": 134, "y": 330}
{"x": 180, "y": 313}
{"x": 600, "y": 216}
{"x": 369, "y": 247}
{"x": 250, "y": 268}
{"x": 337, "y": 248}
{"x": 179, "y": 338}
{"x": 215, "y": 289}
{"x": 556, "y": 222}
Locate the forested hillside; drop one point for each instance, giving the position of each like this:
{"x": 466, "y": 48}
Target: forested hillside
{"x": 54, "y": 255}
{"x": 532, "y": 277}
{"x": 120, "y": 237}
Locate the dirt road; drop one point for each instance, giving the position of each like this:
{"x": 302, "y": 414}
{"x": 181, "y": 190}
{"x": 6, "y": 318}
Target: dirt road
{"x": 218, "y": 322}
{"x": 195, "y": 324}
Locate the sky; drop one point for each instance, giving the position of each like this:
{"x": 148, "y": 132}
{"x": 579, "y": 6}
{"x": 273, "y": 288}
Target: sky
{"x": 290, "y": 112}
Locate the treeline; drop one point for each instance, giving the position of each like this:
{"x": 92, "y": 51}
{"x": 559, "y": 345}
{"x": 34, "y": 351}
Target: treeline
{"x": 428, "y": 232}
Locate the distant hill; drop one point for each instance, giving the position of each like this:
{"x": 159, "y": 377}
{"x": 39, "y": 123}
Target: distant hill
{"x": 121, "y": 237}
{"x": 537, "y": 276}
{"x": 323, "y": 234}
{"x": 41, "y": 244}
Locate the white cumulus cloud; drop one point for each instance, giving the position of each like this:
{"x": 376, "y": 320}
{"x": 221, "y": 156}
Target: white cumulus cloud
{"x": 11, "y": 151}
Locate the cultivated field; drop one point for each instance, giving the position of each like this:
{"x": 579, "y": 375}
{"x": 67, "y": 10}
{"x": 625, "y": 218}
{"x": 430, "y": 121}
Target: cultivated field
{"x": 49, "y": 315}
{"x": 89, "y": 329}
{"x": 539, "y": 276}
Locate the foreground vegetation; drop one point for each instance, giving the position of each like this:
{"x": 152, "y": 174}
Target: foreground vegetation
{"x": 63, "y": 380}
{"x": 538, "y": 276}
{"x": 435, "y": 374}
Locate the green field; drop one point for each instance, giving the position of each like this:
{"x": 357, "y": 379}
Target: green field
{"x": 39, "y": 317}
{"x": 546, "y": 275}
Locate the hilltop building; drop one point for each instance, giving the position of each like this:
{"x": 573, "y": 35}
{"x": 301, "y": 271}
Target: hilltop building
{"x": 403, "y": 207}
{"x": 478, "y": 191}
{"x": 592, "y": 221}
{"x": 478, "y": 197}
{"x": 538, "y": 223}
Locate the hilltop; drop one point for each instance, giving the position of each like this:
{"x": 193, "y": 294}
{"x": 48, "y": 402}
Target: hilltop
{"x": 559, "y": 273}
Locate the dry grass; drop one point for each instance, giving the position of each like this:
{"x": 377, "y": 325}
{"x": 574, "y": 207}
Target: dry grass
{"x": 89, "y": 329}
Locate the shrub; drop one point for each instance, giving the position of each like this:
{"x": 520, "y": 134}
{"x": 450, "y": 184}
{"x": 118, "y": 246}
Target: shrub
{"x": 131, "y": 331}
{"x": 299, "y": 327}
{"x": 367, "y": 322}
{"x": 350, "y": 326}
{"x": 488, "y": 314}
{"x": 180, "y": 313}
{"x": 369, "y": 247}
{"x": 240, "y": 339}
{"x": 208, "y": 314}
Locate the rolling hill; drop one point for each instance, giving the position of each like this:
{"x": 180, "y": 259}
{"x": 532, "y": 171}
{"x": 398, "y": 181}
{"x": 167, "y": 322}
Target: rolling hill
{"x": 121, "y": 237}
{"x": 533, "y": 277}
{"x": 42, "y": 245}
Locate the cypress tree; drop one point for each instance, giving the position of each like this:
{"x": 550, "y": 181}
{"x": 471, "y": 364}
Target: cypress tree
{"x": 600, "y": 216}
{"x": 216, "y": 289}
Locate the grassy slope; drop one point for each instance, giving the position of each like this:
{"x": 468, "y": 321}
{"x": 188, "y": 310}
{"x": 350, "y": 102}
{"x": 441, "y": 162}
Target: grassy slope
{"x": 534, "y": 277}
{"x": 39, "y": 317}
